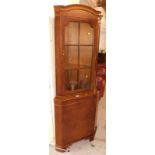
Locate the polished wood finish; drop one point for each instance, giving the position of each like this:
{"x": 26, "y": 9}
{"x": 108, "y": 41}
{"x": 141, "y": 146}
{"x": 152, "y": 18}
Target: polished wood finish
{"x": 75, "y": 119}
{"x": 76, "y": 59}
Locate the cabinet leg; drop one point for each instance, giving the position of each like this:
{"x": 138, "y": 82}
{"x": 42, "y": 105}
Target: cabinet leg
{"x": 62, "y": 149}
{"x": 91, "y": 138}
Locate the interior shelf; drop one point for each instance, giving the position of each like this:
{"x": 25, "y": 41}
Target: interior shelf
{"x": 73, "y": 66}
{"x": 79, "y": 45}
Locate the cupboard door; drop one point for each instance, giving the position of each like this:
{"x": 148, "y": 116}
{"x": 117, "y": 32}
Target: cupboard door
{"x": 78, "y": 53}
{"x": 79, "y": 118}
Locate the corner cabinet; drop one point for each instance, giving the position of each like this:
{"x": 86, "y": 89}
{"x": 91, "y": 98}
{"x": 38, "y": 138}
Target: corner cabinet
{"x": 76, "y": 47}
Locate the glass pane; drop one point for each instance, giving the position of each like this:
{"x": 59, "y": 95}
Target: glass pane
{"x": 71, "y": 33}
{"x": 85, "y": 56}
{"x": 71, "y": 57}
{"x": 71, "y": 79}
{"x": 84, "y": 78}
{"x": 86, "y": 34}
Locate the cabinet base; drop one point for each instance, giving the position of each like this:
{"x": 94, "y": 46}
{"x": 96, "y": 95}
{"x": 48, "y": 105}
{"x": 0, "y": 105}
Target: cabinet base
{"x": 66, "y": 148}
{"x": 74, "y": 120}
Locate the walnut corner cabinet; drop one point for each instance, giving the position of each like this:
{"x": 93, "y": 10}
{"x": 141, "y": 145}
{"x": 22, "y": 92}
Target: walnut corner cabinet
{"x": 76, "y": 49}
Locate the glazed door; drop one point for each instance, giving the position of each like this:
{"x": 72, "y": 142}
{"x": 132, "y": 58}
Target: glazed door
{"x": 78, "y": 52}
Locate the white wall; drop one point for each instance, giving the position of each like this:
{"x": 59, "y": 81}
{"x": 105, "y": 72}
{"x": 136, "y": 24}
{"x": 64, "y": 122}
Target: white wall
{"x": 52, "y": 64}
{"x": 102, "y": 43}
{"x": 52, "y": 78}
{"x": 91, "y": 3}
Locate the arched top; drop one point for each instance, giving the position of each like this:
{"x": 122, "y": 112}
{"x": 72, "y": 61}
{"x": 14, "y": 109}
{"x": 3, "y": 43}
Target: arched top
{"x": 74, "y": 7}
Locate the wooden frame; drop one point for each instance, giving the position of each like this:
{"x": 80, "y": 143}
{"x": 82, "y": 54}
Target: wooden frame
{"x": 75, "y": 111}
